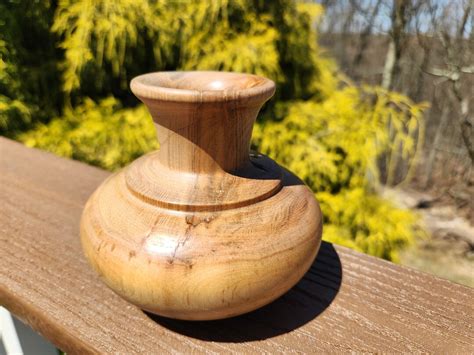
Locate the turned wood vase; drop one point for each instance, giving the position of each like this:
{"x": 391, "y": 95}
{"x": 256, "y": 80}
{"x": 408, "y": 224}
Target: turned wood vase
{"x": 202, "y": 228}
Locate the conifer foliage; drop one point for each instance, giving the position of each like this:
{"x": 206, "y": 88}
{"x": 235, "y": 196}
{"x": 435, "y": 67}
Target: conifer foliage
{"x": 328, "y": 131}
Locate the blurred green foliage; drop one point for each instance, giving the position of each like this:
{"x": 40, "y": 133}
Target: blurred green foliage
{"x": 101, "y": 134}
{"x": 61, "y": 62}
{"x": 29, "y": 79}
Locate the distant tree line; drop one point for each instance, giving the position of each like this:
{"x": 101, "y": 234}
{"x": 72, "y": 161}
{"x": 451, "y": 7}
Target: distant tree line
{"x": 425, "y": 49}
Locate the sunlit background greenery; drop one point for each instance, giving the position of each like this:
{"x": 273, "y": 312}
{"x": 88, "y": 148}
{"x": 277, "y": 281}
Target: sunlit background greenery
{"x": 65, "y": 68}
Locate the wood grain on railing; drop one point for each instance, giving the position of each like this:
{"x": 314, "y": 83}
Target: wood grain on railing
{"x": 346, "y": 302}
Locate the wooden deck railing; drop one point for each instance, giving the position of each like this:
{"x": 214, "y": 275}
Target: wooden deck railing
{"x": 346, "y": 302}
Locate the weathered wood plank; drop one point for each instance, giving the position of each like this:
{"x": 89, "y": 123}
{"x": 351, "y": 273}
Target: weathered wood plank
{"x": 347, "y": 301}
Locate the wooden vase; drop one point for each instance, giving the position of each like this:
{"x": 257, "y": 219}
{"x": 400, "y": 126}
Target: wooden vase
{"x": 202, "y": 229}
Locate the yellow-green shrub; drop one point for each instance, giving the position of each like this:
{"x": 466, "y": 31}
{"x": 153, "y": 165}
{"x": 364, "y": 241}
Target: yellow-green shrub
{"x": 106, "y": 40}
{"x": 361, "y": 220}
{"x": 101, "y": 134}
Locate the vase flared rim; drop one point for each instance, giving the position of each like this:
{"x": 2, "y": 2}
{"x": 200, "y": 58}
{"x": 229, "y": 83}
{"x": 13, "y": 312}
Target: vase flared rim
{"x": 202, "y": 86}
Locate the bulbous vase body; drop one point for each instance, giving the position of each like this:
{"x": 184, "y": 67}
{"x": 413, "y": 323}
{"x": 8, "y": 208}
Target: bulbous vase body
{"x": 202, "y": 229}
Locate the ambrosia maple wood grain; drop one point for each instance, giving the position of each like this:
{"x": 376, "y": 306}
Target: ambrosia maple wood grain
{"x": 347, "y": 302}
{"x": 201, "y": 229}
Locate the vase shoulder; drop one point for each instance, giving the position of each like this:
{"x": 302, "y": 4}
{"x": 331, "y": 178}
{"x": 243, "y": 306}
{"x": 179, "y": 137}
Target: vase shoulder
{"x": 211, "y": 191}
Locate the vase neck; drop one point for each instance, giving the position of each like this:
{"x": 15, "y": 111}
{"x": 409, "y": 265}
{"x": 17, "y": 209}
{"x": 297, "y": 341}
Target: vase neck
{"x": 203, "y": 119}
{"x": 203, "y": 137}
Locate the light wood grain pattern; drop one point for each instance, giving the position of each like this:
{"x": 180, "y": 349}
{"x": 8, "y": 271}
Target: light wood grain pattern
{"x": 200, "y": 229}
{"x": 346, "y": 302}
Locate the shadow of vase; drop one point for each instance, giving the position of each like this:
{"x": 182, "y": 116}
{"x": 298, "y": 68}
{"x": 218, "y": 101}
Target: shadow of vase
{"x": 304, "y": 302}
